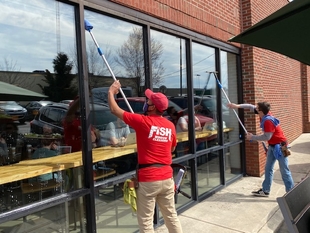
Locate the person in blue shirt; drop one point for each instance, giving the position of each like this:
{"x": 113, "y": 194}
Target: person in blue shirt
{"x": 47, "y": 150}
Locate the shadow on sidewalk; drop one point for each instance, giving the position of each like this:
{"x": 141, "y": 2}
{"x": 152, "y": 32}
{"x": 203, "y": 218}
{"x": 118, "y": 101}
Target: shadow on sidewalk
{"x": 302, "y": 148}
{"x": 282, "y": 228}
{"x": 299, "y": 171}
{"x": 238, "y": 198}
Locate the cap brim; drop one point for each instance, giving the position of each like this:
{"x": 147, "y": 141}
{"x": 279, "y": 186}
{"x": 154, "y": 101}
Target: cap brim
{"x": 148, "y": 93}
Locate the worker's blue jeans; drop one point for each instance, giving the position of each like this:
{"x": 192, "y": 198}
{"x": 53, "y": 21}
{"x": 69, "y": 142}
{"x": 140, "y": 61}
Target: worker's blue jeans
{"x": 284, "y": 170}
{"x": 161, "y": 192}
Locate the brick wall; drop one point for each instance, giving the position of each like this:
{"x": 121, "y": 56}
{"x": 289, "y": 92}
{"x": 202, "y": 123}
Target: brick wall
{"x": 305, "y": 87}
{"x": 219, "y": 19}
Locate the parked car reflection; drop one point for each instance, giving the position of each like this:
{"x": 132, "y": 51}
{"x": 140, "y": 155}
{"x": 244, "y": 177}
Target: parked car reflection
{"x": 11, "y": 108}
{"x": 52, "y": 115}
{"x": 66, "y": 101}
{"x": 34, "y": 106}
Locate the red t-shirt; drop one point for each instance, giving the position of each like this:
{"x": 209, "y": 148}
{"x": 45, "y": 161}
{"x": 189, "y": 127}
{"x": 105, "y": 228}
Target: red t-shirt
{"x": 155, "y": 137}
{"x": 278, "y": 135}
{"x": 72, "y": 134}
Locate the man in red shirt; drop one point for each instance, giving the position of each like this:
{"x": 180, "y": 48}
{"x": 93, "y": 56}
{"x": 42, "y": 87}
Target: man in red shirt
{"x": 273, "y": 133}
{"x": 156, "y": 140}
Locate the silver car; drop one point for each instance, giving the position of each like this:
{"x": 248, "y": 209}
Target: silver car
{"x": 11, "y": 108}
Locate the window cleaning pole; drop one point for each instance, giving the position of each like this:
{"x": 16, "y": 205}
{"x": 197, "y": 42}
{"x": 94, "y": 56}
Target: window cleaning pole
{"x": 89, "y": 27}
{"x": 221, "y": 87}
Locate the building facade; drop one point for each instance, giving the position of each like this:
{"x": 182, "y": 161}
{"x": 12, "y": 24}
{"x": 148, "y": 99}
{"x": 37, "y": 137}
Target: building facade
{"x": 177, "y": 47}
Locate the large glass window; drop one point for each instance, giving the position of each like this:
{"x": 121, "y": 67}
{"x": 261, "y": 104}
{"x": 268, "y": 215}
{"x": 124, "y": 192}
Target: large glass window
{"x": 168, "y": 64}
{"x": 208, "y": 172}
{"x": 169, "y": 77}
{"x": 36, "y": 64}
{"x": 230, "y": 121}
{"x": 122, "y": 45}
{"x": 205, "y": 100}
{"x": 204, "y": 83}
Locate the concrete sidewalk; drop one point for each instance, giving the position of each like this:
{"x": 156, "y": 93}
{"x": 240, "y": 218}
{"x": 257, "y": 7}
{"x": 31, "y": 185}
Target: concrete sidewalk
{"x": 235, "y": 210}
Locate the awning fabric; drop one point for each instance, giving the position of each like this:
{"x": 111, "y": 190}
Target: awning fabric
{"x": 286, "y": 31}
{"x": 14, "y": 93}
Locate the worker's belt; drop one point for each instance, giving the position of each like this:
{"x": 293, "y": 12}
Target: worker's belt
{"x": 283, "y": 145}
{"x": 151, "y": 165}
{"x": 280, "y": 143}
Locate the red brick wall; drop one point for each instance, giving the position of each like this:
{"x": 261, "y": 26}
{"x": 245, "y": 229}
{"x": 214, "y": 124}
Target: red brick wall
{"x": 267, "y": 76}
{"x": 305, "y": 86}
{"x": 276, "y": 79}
{"x": 219, "y": 19}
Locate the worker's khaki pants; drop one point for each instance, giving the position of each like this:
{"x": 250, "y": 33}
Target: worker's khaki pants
{"x": 161, "y": 192}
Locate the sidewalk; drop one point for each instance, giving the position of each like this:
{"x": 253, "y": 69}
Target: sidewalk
{"x": 235, "y": 210}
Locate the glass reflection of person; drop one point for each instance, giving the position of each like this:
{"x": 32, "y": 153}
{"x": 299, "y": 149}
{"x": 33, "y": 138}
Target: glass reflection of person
{"x": 11, "y": 134}
{"x": 182, "y": 124}
{"x": 3, "y": 150}
{"x": 12, "y": 138}
{"x": 117, "y": 132}
{"x": 116, "y": 135}
{"x": 47, "y": 130}
{"x": 72, "y": 127}
{"x": 173, "y": 115}
{"x": 45, "y": 151}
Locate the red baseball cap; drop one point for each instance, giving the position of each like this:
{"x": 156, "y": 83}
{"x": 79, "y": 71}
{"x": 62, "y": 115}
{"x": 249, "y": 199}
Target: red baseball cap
{"x": 158, "y": 99}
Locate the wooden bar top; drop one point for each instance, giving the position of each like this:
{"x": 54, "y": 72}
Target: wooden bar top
{"x": 34, "y": 167}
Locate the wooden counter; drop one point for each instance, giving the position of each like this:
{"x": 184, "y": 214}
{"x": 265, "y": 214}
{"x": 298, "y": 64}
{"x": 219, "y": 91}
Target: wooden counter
{"x": 35, "y": 167}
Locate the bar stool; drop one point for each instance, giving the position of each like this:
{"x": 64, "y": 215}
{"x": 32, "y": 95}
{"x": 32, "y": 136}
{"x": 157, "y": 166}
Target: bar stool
{"x": 39, "y": 188}
{"x": 31, "y": 188}
{"x": 13, "y": 195}
{"x": 3, "y": 196}
{"x": 10, "y": 192}
{"x": 2, "y": 199}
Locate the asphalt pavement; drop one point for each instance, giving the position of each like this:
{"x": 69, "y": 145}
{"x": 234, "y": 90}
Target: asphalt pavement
{"x": 23, "y": 128}
{"x": 235, "y": 210}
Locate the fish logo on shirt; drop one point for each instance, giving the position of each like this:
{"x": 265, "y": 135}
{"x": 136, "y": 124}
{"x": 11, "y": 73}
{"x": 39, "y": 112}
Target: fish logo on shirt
{"x": 160, "y": 134}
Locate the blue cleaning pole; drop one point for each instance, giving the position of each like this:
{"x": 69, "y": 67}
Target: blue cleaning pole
{"x": 221, "y": 87}
{"x": 89, "y": 27}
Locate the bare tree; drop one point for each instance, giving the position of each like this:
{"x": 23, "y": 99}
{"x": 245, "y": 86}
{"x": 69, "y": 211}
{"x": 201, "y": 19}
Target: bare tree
{"x": 131, "y": 58}
{"x": 11, "y": 74}
{"x": 95, "y": 63}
